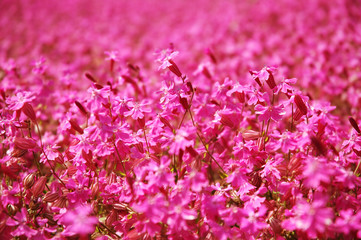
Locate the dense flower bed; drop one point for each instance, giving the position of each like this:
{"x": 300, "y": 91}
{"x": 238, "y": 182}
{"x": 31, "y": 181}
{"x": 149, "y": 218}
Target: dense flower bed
{"x": 180, "y": 119}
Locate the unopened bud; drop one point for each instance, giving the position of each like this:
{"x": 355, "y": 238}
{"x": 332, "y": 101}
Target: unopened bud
{"x": 240, "y": 96}
{"x": 300, "y": 104}
{"x": 111, "y": 218}
{"x": 76, "y": 126}
{"x": 206, "y": 73}
{"x": 165, "y": 122}
{"x": 275, "y": 225}
{"x": 29, "y": 111}
{"x": 192, "y": 151}
{"x": 90, "y": 77}
{"x": 271, "y": 81}
{"x": 50, "y": 197}
{"x": 139, "y": 147}
{"x": 141, "y": 122}
{"x": 295, "y": 164}
{"x": 250, "y": 135}
{"x": 261, "y": 143}
{"x": 358, "y": 153}
{"x": 297, "y": 115}
{"x": 318, "y": 146}
{"x": 17, "y": 152}
{"x": 210, "y": 53}
{"x": 226, "y": 121}
{"x": 184, "y": 102}
{"x": 29, "y": 181}
{"x": 174, "y": 68}
{"x": 25, "y": 143}
{"x": 39, "y": 186}
{"x": 95, "y": 190}
{"x": 81, "y": 108}
{"x": 354, "y": 124}
{"x": 98, "y": 86}
{"x": 61, "y": 202}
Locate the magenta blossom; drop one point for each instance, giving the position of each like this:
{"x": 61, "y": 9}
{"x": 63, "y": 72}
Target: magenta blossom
{"x": 79, "y": 221}
{"x": 17, "y": 102}
{"x": 271, "y": 112}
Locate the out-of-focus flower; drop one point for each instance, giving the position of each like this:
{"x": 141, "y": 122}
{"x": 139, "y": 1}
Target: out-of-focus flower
{"x": 79, "y": 221}
{"x": 271, "y": 112}
{"x": 17, "y": 102}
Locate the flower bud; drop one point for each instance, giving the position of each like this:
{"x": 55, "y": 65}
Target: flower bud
{"x": 61, "y": 202}
{"x": 39, "y": 186}
{"x": 261, "y": 143}
{"x": 166, "y": 122}
{"x": 206, "y": 73}
{"x": 300, "y": 104}
{"x": 98, "y": 86}
{"x": 271, "y": 81}
{"x": 275, "y": 225}
{"x": 111, "y": 218}
{"x": 29, "y": 112}
{"x": 76, "y": 126}
{"x": 174, "y": 68}
{"x": 240, "y": 96}
{"x": 17, "y": 152}
{"x": 295, "y": 164}
{"x": 192, "y": 151}
{"x": 141, "y": 122}
{"x": 318, "y": 146}
{"x": 227, "y": 121}
{"x": 90, "y": 77}
{"x": 210, "y": 53}
{"x": 297, "y": 115}
{"x": 354, "y": 124}
{"x": 50, "y": 197}
{"x": 29, "y": 181}
{"x": 184, "y": 102}
{"x": 81, "y": 108}
{"x": 25, "y": 143}
{"x": 95, "y": 190}
{"x": 250, "y": 135}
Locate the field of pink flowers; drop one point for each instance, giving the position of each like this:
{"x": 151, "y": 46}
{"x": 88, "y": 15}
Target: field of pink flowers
{"x": 202, "y": 119}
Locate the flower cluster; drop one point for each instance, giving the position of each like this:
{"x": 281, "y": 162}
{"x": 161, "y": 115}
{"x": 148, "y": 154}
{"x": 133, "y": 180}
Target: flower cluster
{"x": 241, "y": 122}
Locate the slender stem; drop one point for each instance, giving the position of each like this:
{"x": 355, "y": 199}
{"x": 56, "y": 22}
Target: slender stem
{"x": 120, "y": 159}
{"x": 358, "y": 165}
{"x": 146, "y": 141}
{"x": 292, "y": 118}
{"x": 265, "y": 134}
{"x": 205, "y": 147}
{"x": 110, "y": 230}
{"x": 184, "y": 115}
{"x": 46, "y": 156}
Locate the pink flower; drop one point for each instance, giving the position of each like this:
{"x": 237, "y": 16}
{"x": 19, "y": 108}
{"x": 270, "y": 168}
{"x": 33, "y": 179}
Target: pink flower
{"x": 316, "y": 172}
{"x": 180, "y": 140}
{"x": 112, "y": 56}
{"x": 271, "y": 112}
{"x": 78, "y": 221}
{"x": 252, "y": 222}
{"x": 348, "y": 221}
{"x": 21, "y": 223}
{"x": 17, "y": 102}
{"x": 311, "y": 218}
{"x": 39, "y": 66}
{"x": 138, "y": 109}
{"x": 165, "y": 56}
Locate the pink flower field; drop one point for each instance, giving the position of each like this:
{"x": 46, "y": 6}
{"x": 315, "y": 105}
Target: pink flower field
{"x": 177, "y": 119}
